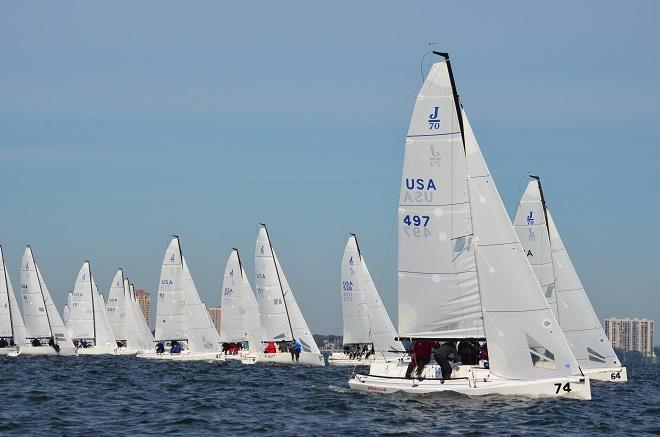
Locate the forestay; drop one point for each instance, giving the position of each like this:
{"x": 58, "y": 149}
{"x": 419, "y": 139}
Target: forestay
{"x": 564, "y": 291}
{"x": 170, "y": 310}
{"x": 11, "y": 322}
{"x": 41, "y": 317}
{"x": 438, "y": 287}
{"x": 524, "y": 338}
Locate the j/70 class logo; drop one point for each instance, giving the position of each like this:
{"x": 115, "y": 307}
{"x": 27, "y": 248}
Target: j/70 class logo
{"x": 434, "y": 119}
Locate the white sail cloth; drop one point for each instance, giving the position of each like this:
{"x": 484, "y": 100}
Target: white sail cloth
{"x": 281, "y": 318}
{"x": 138, "y": 328}
{"x": 181, "y": 315}
{"x": 240, "y": 311}
{"x": 125, "y": 316}
{"x": 88, "y": 317}
{"x": 40, "y": 315}
{"x": 170, "y": 309}
{"x": 438, "y": 287}
{"x": 11, "y": 322}
{"x": 365, "y": 317}
{"x": 563, "y": 289}
{"x": 452, "y": 220}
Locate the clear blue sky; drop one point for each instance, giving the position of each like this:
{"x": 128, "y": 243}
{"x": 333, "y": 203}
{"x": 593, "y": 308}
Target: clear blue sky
{"x": 122, "y": 123}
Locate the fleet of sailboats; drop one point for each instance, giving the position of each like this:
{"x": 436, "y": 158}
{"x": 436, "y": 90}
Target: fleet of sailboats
{"x": 502, "y": 297}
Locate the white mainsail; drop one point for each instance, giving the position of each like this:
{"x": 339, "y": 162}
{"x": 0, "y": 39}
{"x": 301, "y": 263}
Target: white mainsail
{"x": 88, "y": 317}
{"x": 11, "y": 322}
{"x": 171, "y": 316}
{"x": 357, "y": 329}
{"x": 281, "y": 318}
{"x": 563, "y": 289}
{"x": 65, "y": 315}
{"x": 40, "y": 315}
{"x": 117, "y": 307}
{"x": 240, "y": 311}
{"x": 438, "y": 286}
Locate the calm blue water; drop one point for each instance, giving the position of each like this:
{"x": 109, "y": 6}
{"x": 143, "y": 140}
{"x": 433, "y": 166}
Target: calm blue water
{"x": 126, "y": 395}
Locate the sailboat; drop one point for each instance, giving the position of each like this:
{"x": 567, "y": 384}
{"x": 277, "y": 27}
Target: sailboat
{"x": 281, "y": 319}
{"x": 43, "y": 325}
{"x": 240, "y": 322}
{"x": 125, "y": 321}
{"x": 12, "y": 329}
{"x": 369, "y": 335}
{"x": 183, "y": 326}
{"x": 563, "y": 289}
{"x": 462, "y": 272}
{"x": 89, "y": 326}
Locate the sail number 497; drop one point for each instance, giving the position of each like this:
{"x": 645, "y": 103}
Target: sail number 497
{"x": 416, "y": 220}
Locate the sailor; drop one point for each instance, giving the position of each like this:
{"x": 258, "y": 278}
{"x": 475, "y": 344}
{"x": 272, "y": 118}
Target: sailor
{"x": 3, "y": 343}
{"x": 296, "y": 348}
{"x": 160, "y": 347}
{"x": 421, "y": 355}
{"x": 176, "y": 348}
{"x": 270, "y": 348}
{"x": 468, "y": 352}
{"x": 51, "y": 341}
{"x": 36, "y": 342}
{"x": 442, "y": 355}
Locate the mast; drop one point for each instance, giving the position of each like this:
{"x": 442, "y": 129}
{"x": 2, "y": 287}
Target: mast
{"x": 455, "y": 92}
{"x": 91, "y": 290}
{"x": 41, "y": 290}
{"x": 279, "y": 280}
{"x": 547, "y": 228}
{"x": 4, "y": 269}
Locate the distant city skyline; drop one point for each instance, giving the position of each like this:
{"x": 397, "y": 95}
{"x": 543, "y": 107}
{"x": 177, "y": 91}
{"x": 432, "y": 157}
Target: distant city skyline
{"x": 115, "y": 134}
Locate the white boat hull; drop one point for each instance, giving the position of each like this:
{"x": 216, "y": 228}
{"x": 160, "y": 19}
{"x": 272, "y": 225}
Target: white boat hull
{"x": 97, "y": 350}
{"x": 468, "y": 380}
{"x": 615, "y": 374}
{"x": 342, "y": 359}
{"x": 44, "y": 351}
{"x": 11, "y": 351}
{"x": 184, "y": 356}
{"x": 306, "y": 359}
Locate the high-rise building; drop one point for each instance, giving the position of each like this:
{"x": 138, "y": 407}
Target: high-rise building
{"x": 144, "y": 300}
{"x": 215, "y": 317}
{"x": 631, "y": 335}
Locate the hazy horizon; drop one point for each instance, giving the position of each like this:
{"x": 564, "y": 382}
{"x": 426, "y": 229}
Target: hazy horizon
{"x": 123, "y": 124}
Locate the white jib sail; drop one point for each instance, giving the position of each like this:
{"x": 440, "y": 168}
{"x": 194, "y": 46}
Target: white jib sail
{"x": 11, "y": 322}
{"x": 117, "y": 307}
{"x": 201, "y": 334}
{"x": 104, "y": 334}
{"x": 273, "y": 292}
{"x": 171, "y": 318}
{"x": 240, "y": 311}
{"x": 41, "y": 317}
{"x": 139, "y": 335}
{"x": 355, "y": 312}
{"x": 383, "y": 334}
{"x": 438, "y": 287}
{"x": 65, "y": 315}
{"x": 524, "y": 337}
{"x": 565, "y": 292}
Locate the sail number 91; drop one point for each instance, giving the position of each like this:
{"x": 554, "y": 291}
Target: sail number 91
{"x": 416, "y": 220}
